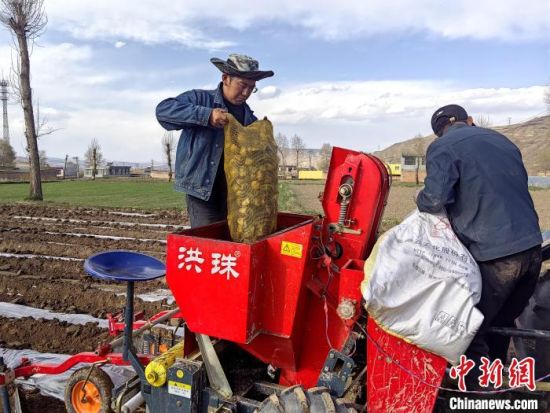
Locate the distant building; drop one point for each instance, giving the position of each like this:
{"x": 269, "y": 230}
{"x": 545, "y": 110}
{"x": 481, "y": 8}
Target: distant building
{"x": 108, "y": 170}
{"x": 287, "y": 172}
{"x": 71, "y": 171}
{"x": 312, "y": 175}
{"x": 100, "y": 172}
{"x": 116, "y": 170}
{"x": 413, "y": 168}
{"x": 394, "y": 169}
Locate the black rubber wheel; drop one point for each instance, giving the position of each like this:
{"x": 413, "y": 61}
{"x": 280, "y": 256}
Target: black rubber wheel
{"x": 88, "y": 392}
{"x": 296, "y": 400}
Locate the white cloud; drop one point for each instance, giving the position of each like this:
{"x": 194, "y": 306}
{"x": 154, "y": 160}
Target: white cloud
{"x": 120, "y": 44}
{"x": 268, "y": 92}
{"x": 363, "y": 101}
{"x": 367, "y": 115}
{"x": 150, "y": 22}
{"x": 372, "y": 114}
{"x": 194, "y": 25}
{"x": 358, "y": 115}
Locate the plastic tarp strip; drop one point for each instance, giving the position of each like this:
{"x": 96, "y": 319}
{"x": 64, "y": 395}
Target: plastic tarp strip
{"x": 19, "y": 311}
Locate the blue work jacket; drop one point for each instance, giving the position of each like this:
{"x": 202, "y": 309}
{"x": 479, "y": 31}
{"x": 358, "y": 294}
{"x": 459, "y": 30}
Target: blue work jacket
{"x": 200, "y": 146}
{"x": 477, "y": 175}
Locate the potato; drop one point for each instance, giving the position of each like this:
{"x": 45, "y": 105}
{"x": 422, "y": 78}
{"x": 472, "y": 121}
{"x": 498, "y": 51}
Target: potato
{"x": 251, "y": 171}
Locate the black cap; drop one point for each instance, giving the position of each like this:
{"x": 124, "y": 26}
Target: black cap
{"x": 447, "y": 115}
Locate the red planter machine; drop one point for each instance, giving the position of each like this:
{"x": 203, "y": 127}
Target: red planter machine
{"x": 293, "y": 299}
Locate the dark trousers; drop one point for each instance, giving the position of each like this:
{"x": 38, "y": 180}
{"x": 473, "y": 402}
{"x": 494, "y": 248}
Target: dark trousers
{"x": 507, "y": 285}
{"x": 206, "y": 212}
{"x": 537, "y": 316}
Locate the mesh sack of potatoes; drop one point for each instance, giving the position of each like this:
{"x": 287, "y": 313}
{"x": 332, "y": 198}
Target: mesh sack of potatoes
{"x": 250, "y": 164}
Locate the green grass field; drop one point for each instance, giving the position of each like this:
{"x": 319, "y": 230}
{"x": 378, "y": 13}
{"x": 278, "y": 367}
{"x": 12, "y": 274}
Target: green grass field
{"x": 120, "y": 193}
{"x": 108, "y": 193}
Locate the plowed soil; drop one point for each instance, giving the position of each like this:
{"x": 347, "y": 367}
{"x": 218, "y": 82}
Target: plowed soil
{"x": 400, "y": 202}
{"x": 42, "y": 252}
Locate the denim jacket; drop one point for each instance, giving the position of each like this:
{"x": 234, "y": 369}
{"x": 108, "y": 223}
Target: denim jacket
{"x": 478, "y": 176}
{"x": 200, "y": 146}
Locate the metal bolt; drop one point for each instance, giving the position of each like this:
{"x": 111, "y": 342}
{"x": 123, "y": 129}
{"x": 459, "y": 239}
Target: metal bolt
{"x": 325, "y": 369}
{"x": 349, "y": 364}
{"x": 331, "y": 355}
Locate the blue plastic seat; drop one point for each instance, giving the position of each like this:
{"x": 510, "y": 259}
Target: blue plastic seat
{"x": 120, "y": 265}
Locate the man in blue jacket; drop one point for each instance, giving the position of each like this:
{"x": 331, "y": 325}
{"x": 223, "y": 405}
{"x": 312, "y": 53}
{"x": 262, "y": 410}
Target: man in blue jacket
{"x": 478, "y": 177}
{"x": 201, "y": 116}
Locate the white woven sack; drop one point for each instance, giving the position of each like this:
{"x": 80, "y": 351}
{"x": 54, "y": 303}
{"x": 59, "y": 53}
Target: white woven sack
{"x": 422, "y": 284}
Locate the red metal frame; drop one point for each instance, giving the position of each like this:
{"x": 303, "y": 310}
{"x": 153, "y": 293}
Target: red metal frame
{"x": 239, "y": 302}
{"x": 295, "y": 297}
{"x": 103, "y": 353}
{"x": 26, "y": 369}
{"x": 116, "y": 321}
{"x": 278, "y": 305}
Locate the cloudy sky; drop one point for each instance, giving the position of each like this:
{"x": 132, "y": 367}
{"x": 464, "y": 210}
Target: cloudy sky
{"x": 361, "y": 74}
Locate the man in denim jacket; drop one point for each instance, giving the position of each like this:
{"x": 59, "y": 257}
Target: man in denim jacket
{"x": 477, "y": 176}
{"x": 201, "y": 116}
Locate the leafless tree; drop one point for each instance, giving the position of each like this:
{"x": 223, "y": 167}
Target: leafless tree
{"x": 326, "y": 152}
{"x": 298, "y": 147}
{"x": 93, "y": 156}
{"x": 168, "y": 149}
{"x": 42, "y": 127}
{"x": 43, "y": 159}
{"x": 26, "y": 20}
{"x": 282, "y": 146}
{"x": 7, "y": 154}
{"x": 483, "y": 121}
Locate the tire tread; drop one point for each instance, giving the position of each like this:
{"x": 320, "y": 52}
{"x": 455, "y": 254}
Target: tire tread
{"x": 295, "y": 400}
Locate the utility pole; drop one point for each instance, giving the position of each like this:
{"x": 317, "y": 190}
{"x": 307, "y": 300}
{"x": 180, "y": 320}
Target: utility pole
{"x": 4, "y": 99}
{"x": 65, "y": 166}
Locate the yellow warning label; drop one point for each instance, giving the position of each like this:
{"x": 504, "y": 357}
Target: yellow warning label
{"x": 291, "y": 249}
{"x": 178, "y": 384}
{"x": 179, "y": 389}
